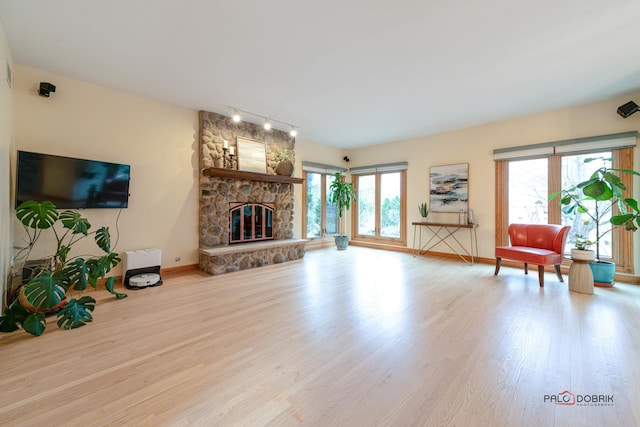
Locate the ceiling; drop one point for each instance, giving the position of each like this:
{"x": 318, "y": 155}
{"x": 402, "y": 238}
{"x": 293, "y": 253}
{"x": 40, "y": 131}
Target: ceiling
{"x": 348, "y": 73}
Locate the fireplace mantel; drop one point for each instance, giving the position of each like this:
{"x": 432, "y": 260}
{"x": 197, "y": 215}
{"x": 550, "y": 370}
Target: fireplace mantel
{"x": 252, "y": 176}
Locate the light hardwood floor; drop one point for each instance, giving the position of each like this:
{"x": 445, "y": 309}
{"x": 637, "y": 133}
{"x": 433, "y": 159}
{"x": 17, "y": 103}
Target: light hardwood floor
{"x": 361, "y": 337}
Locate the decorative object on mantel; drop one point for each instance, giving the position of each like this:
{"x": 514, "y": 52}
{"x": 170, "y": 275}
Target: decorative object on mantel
{"x": 252, "y": 155}
{"x": 267, "y": 121}
{"x": 341, "y": 195}
{"x": 285, "y": 166}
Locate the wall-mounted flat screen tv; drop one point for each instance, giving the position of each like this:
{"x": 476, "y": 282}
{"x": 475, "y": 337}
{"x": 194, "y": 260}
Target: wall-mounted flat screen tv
{"x": 71, "y": 183}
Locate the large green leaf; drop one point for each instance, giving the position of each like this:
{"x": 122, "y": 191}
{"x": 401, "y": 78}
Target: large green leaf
{"x": 99, "y": 267}
{"x": 37, "y": 215}
{"x": 598, "y": 190}
{"x": 109, "y": 285}
{"x": 74, "y": 222}
{"x": 46, "y": 290}
{"x": 13, "y": 316}
{"x": 77, "y": 273}
{"x": 76, "y": 313}
{"x": 35, "y": 324}
{"x": 103, "y": 239}
{"x": 632, "y": 203}
{"x": 621, "y": 219}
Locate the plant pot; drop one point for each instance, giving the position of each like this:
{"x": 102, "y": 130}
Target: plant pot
{"x": 342, "y": 242}
{"x": 604, "y": 273}
{"x": 284, "y": 168}
{"x": 582, "y": 255}
{"x": 24, "y": 302}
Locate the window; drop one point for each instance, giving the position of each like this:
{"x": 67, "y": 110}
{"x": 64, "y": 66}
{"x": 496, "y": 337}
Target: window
{"x": 379, "y": 211}
{"x": 525, "y": 176}
{"x": 574, "y": 171}
{"x": 528, "y": 186}
{"x": 320, "y": 218}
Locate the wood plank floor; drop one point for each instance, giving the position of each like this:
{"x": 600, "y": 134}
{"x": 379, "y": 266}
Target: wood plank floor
{"x": 361, "y": 337}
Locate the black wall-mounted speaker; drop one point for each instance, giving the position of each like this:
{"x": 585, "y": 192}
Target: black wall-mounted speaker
{"x": 45, "y": 88}
{"x": 628, "y": 109}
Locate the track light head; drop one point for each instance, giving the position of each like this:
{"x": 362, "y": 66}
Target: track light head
{"x": 236, "y": 116}
{"x": 267, "y": 125}
{"x": 293, "y": 132}
{"x": 628, "y": 109}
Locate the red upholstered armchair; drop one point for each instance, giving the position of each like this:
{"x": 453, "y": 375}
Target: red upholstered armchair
{"x": 540, "y": 244}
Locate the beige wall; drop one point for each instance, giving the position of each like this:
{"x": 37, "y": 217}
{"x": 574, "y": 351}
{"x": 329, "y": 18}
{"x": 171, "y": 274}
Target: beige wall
{"x": 6, "y": 153}
{"x": 475, "y": 146}
{"x": 156, "y": 139}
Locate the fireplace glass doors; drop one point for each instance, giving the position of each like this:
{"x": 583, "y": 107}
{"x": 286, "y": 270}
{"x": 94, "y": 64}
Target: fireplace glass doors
{"x": 250, "y": 222}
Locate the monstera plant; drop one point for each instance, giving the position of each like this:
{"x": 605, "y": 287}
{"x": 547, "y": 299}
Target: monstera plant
{"x": 51, "y": 288}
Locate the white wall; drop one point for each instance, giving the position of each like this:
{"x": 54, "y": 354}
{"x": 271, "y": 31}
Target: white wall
{"x": 6, "y": 153}
{"x": 475, "y": 146}
{"x": 156, "y": 139}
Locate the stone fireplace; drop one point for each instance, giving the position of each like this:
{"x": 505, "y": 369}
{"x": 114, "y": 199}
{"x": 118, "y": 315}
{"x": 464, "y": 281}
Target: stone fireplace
{"x": 246, "y": 218}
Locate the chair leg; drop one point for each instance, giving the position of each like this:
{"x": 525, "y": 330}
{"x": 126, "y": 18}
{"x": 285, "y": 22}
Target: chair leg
{"x": 526, "y": 268}
{"x": 558, "y": 273}
{"x": 541, "y": 275}
{"x": 498, "y": 263}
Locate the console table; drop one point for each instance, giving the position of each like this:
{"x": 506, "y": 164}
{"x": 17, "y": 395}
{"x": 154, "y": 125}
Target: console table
{"x": 445, "y": 233}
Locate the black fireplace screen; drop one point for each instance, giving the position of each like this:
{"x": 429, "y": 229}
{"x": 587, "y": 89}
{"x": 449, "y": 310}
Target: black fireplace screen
{"x": 250, "y": 222}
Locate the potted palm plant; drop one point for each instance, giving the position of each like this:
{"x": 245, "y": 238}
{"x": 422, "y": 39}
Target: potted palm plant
{"x": 596, "y": 198}
{"x": 52, "y": 287}
{"x": 341, "y": 194}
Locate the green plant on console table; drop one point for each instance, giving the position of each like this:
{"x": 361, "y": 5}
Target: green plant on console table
{"x": 49, "y": 287}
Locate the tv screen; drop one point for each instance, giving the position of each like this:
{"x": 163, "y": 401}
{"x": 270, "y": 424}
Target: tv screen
{"x": 71, "y": 183}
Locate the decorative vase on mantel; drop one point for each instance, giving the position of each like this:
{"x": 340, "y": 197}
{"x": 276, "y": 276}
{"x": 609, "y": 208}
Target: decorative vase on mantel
{"x": 284, "y": 167}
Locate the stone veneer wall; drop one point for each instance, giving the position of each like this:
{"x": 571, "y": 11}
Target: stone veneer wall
{"x": 215, "y": 128}
{"x": 216, "y": 193}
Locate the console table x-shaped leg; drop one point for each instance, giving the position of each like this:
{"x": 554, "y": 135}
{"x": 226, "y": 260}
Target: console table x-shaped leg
{"x": 445, "y": 233}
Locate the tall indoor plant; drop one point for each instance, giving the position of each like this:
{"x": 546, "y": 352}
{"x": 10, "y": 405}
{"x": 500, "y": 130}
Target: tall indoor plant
{"x": 596, "y": 198}
{"x": 51, "y": 287}
{"x": 341, "y": 194}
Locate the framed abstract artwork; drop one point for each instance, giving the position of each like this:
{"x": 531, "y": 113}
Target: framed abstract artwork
{"x": 252, "y": 155}
{"x": 449, "y": 188}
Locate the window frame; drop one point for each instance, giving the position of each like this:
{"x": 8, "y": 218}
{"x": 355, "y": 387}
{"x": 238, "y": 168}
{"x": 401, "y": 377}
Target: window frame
{"x": 622, "y": 242}
{"x": 377, "y": 238}
{"x": 324, "y": 191}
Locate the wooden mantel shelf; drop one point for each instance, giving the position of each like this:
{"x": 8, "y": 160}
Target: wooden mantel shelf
{"x": 252, "y": 176}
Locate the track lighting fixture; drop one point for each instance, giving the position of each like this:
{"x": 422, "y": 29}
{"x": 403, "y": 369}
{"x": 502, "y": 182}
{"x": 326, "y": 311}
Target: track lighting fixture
{"x": 268, "y": 124}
